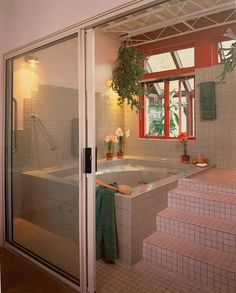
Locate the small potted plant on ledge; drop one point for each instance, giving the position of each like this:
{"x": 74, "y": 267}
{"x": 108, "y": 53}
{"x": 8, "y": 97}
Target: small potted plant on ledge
{"x": 120, "y": 138}
{"x": 110, "y": 140}
{"x": 183, "y": 138}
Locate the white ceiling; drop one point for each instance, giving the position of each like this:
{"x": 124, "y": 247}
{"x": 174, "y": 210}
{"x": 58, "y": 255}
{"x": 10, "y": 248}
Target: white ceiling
{"x": 174, "y": 17}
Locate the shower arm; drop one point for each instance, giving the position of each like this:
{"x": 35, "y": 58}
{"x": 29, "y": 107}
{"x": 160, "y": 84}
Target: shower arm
{"x": 44, "y": 131}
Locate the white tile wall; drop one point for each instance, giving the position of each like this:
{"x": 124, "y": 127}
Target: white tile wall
{"x": 214, "y": 139}
{"x": 56, "y": 106}
{"x": 136, "y": 219}
{"x": 109, "y": 116}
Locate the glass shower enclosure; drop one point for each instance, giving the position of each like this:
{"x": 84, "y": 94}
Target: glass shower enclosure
{"x": 42, "y": 156}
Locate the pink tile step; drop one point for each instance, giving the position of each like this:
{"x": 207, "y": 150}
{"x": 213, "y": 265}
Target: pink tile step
{"x": 204, "y": 186}
{"x": 204, "y": 203}
{"x": 206, "y": 230}
{"x": 208, "y": 266}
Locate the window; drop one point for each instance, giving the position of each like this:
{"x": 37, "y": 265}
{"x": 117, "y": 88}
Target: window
{"x": 168, "y": 108}
{"x": 171, "y": 60}
{"x": 223, "y": 49}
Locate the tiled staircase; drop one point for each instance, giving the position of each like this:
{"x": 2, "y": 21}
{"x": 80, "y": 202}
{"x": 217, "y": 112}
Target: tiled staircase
{"x": 196, "y": 235}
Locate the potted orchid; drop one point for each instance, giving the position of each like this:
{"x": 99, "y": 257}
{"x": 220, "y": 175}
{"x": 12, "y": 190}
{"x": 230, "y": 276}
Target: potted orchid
{"x": 183, "y": 138}
{"x": 110, "y": 140}
{"x": 120, "y": 137}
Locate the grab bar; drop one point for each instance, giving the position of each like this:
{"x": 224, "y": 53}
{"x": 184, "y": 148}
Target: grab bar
{"x": 14, "y": 111}
{"x": 45, "y": 132}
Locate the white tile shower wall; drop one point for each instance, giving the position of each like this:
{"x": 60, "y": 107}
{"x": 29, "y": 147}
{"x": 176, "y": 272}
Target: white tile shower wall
{"x": 215, "y": 139}
{"x": 21, "y": 157}
{"x": 109, "y": 116}
{"x": 56, "y": 106}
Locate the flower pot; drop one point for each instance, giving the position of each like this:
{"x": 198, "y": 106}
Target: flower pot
{"x": 185, "y": 159}
{"x": 109, "y": 156}
{"x": 120, "y": 155}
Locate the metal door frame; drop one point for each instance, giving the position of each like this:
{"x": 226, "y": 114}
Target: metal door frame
{"x": 86, "y": 81}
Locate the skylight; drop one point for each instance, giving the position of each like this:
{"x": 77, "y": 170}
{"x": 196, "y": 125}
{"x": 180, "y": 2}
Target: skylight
{"x": 171, "y": 60}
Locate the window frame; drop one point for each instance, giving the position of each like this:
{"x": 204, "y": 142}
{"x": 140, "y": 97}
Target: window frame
{"x": 205, "y": 44}
{"x": 165, "y": 76}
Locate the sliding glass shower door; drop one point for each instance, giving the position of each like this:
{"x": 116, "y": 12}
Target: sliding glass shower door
{"x": 43, "y": 170}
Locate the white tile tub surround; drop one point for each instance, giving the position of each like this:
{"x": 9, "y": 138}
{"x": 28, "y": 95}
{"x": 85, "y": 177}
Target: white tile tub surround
{"x": 170, "y": 169}
{"x": 196, "y": 234}
{"x": 51, "y": 203}
{"x": 49, "y": 198}
{"x": 135, "y": 218}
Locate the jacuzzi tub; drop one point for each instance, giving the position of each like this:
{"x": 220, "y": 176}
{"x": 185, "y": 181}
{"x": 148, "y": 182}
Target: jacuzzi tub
{"x": 125, "y": 174}
{"x": 55, "y": 190}
{"x": 132, "y": 171}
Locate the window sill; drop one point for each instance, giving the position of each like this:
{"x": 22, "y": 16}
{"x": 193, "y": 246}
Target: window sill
{"x": 163, "y": 138}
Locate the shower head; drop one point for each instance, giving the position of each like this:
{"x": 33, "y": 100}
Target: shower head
{"x": 34, "y": 116}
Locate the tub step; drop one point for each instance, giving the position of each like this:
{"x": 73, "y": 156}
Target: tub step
{"x": 204, "y": 203}
{"x": 204, "y": 186}
{"x": 166, "y": 281}
{"x": 209, "y": 231}
{"x": 210, "y": 267}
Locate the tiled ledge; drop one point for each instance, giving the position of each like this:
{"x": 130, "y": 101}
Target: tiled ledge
{"x": 209, "y": 231}
{"x": 203, "y": 203}
{"x": 203, "y": 186}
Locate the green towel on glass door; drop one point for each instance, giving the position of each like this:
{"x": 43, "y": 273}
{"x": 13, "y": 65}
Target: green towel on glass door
{"x": 106, "y": 243}
{"x": 207, "y": 100}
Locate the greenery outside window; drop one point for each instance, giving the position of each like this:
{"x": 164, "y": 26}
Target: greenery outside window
{"x": 169, "y": 108}
{"x": 223, "y": 49}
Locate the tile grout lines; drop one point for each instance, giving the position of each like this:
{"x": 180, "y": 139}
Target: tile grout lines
{"x": 196, "y": 235}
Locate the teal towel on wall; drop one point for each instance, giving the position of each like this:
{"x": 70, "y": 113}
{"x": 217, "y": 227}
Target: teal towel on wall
{"x": 207, "y": 100}
{"x": 75, "y": 137}
{"x": 106, "y": 242}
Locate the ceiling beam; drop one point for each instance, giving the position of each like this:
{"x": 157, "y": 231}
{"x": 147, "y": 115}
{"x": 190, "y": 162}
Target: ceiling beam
{"x": 180, "y": 34}
{"x": 148, "y": 12}
{"x": 175, "y": 20}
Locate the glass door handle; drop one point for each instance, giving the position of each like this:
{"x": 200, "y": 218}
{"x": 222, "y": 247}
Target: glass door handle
{"x": 14, "y": 128}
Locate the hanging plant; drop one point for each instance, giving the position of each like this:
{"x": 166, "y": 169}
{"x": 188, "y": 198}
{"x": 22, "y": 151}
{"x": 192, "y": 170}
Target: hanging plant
{"x": 126, "y": 76}
{"x": 230, "y": 62}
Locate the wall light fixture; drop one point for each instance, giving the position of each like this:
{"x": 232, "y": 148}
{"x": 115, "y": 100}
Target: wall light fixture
{"x": 31, "y": 59}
